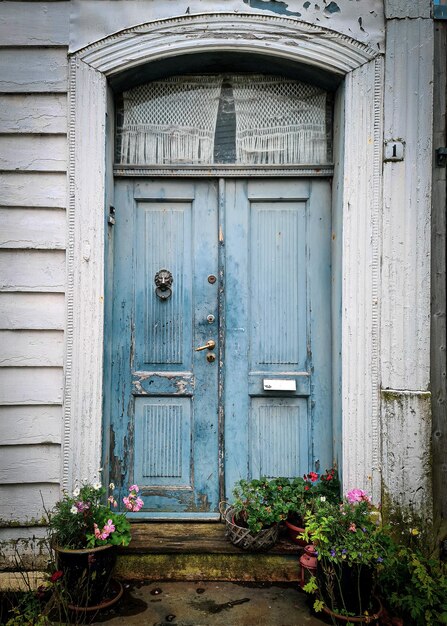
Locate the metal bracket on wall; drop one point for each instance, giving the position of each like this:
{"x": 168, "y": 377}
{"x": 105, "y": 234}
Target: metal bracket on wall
{"x": 441, "y": 157}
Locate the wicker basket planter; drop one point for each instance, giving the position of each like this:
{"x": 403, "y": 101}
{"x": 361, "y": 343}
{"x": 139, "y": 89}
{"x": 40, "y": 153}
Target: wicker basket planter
{"x": 242, "y": 538}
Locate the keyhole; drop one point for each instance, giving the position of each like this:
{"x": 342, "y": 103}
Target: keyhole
{"x": 394, "y": 151}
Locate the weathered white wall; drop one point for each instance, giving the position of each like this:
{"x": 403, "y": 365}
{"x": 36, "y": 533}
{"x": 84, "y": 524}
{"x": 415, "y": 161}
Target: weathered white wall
{"x": 405, "y": 301}
{"x": 383, "y": 432}
{"x": 33, "y": 164}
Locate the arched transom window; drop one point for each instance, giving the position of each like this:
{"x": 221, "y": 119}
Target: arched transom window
{"x": 240, "y": 119}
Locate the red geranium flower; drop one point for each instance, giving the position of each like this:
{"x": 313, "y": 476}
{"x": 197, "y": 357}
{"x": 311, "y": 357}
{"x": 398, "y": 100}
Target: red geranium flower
{"x": 55, "y": 577}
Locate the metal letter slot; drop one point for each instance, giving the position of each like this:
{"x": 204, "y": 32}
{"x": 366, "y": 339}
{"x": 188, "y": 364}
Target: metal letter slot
{"x": 279, "y": 384}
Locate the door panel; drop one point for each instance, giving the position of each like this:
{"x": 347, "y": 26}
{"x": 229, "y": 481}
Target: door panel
{"x": 165, "y": 418}
{"x": 278, "y": 328}
{"x": 273, "y": 349}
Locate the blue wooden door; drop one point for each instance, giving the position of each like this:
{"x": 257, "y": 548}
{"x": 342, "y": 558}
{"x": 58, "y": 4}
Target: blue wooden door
{"x": 250, "y": 266}
{"x": 278, "y": 398}
{"x": 164, "y": 392}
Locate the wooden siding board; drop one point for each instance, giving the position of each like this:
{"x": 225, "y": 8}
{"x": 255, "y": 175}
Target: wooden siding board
{"x": 30, "y": 424}
{"x": 33, "y": 311}
{"x": 33, "y": 113}
{"x": 30, "y": 348}
{"x": 30, "y": 464}
{"x": 32, "y": 270}
{"x": 34, "y": 23}
{"x": 33, "y": 70}
{"x": 45, "y": 153}
{"x": 31, "y": 385}
{"x": 26, "y": 189}
{"x": 32, "y": 228}
{"x": 27, "y": 507}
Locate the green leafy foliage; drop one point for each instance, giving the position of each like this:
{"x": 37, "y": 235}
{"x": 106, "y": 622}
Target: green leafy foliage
{"x": 258, "y": 504}
{"x": 414, "y": 586}
{"x": 299, "y": 495}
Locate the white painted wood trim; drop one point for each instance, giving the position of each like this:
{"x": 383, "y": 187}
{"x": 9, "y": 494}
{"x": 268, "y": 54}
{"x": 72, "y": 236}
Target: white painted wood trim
{"x": 361, "y": 279}
{"x": 85, "y": 263}
{"x": 211, "y": 32}
{"x": 85, "y": 274}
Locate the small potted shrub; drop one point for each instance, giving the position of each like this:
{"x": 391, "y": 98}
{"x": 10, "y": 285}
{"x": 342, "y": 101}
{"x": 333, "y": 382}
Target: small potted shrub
{"x": 84, "y": 531}
{"x": 252, "y": 520}
{"x": 351, "y": 546}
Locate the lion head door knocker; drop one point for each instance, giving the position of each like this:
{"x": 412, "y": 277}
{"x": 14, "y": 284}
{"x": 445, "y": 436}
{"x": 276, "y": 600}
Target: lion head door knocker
{"x": 163, "y": 281}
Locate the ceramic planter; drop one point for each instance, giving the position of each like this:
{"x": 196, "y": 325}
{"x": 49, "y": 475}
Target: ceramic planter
{"x": 346, "y": 588}
{"x": 87, "y": 574}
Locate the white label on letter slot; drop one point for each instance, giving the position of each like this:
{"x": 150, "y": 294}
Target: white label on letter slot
{"x": 279, "y": 384}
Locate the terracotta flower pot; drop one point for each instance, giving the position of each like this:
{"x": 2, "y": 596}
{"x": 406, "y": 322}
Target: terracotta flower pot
{"x": 86, "y": 573}
{"x": 293, "y": 531}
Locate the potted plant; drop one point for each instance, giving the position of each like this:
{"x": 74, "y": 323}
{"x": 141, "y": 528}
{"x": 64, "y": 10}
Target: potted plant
{"x": 84, "y": 531}
{"x": 252, "y": 519}
{"x": 351, "y": 546}
{"x": 299, "y": 495}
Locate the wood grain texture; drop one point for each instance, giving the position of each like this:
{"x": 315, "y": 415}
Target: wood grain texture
{"x": 32, "y": 311}
{"x": 24, "y": 70}
{"x": 25, "y": 348}
{"x": 33, "y": 113}
{"x": 30, "y": 464}
{"x": 41, "y": 189}
{"x": 31, "y": 385}
{"x": 32, "y": 228}
{"x": 32, "y": 270}
{"x": 44, "y": 153}
{"x": 34, "y": 23}
{"x": 201, "y": 538}
{"x": 30, "y": 424}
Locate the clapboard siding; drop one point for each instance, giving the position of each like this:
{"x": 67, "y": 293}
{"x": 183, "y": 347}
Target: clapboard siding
{"x": 44, "y": 153}
{"x": 33, "y": 189}
{"x": 24, "y": 70}
{"x": 33, "y": 113}
{"x": 38, "y": 311}
{"x": 30, "y": 464}
{"x": 30, "y": 424}
{"x": 32, "y": 270}
{"x": 35, "y": 23}
{"x": 28, "y": 507}
{"x": 30, "y": 348}
{"x": 31, "y": 385}
{"x": 32, "y": 228}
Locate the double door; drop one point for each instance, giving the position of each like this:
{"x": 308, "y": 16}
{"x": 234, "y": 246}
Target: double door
{"x": 220, "y": 337}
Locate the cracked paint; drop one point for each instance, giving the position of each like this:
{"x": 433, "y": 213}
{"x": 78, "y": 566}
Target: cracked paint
{"x": 272, "y": 5}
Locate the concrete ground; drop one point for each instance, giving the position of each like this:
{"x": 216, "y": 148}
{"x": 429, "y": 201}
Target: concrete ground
{"x": 210, "y": 604}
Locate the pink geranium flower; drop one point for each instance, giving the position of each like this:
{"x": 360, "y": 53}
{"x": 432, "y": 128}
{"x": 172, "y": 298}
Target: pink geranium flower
{"x": 357, "y": 495}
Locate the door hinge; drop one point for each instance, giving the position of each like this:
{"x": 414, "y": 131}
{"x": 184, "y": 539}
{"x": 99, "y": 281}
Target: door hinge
{"x": 111, "y": 218}
{"x": 441, "y": 157}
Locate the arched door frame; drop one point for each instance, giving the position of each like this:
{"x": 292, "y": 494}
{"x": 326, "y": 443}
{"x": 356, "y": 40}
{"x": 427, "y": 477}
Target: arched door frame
{"x": 356, "y": 207}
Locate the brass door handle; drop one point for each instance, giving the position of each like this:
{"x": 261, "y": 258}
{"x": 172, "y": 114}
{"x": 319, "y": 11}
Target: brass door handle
{"x": 210, "y": 345}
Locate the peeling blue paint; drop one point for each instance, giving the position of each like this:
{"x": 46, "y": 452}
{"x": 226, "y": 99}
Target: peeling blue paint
{"x": 272, "y": 5}
{"x": 306, "y": 5}
{"x": 332, "y": 8}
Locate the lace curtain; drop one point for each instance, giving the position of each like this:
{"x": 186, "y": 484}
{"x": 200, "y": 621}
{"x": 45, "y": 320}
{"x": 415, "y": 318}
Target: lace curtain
{"x": 173, "y": 121}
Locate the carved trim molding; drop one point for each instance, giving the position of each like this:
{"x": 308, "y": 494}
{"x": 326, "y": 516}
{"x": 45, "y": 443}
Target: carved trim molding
{"x": 280, "y": 37}
{"x": 275, "y": 36}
